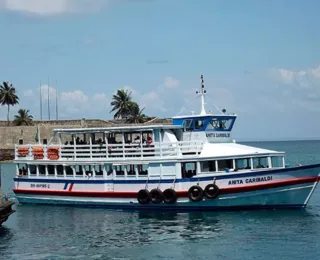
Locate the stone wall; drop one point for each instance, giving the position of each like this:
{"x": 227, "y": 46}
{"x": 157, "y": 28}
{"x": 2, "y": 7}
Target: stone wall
{"x": 11, "y": 135}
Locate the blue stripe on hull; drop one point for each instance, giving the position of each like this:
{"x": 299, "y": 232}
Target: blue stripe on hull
{"x": 156, "y": 181}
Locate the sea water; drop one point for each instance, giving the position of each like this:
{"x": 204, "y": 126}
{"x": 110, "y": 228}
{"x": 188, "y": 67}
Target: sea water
{"x": 55, "y": 232}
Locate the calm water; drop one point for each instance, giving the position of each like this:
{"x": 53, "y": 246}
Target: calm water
{"x": 48, "y": 232}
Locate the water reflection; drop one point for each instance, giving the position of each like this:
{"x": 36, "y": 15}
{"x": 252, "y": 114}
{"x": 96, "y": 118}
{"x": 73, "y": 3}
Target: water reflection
{"x": 51, "y": 231}
{"x": 6, "y": 236}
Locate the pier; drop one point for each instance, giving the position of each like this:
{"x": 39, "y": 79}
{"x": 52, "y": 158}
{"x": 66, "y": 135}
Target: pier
{"x": 5, "y": 205}
{"x": 5, "y": 210}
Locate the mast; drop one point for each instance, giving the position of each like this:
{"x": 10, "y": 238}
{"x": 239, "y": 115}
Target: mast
{"x": 40, "y": 101}
{"x": 202, "y": 92}
{"x": 48, "y": 99}
{"x": 57, "y": 101}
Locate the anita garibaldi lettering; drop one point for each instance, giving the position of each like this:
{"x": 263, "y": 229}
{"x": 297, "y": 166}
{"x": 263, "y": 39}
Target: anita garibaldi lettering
{"x": 250, "y": 180}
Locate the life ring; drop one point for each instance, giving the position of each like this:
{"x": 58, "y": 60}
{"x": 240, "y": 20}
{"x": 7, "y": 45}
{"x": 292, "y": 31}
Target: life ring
{"x": 23, "y": 151}
{"x": 143, "y": 196}
{"x": 156, "y": 196}
{"x": 169, "y": 196}
{"x": 211, "y": 191}
{"x": 195, "y": 193}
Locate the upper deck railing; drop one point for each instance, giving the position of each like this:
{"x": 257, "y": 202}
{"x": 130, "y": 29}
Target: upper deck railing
{"x": 107, "y": 151}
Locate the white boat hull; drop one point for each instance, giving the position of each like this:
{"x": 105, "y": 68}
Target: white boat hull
{"x": 286, "y": 188}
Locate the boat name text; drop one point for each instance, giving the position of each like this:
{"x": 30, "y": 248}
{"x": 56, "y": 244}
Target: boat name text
{"x": 250, "y": 180}
{"x": 225, "y": 135}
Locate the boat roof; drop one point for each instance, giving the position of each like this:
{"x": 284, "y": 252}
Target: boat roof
{"x": 127, "y": 128}
{"x": 232, "y": 150}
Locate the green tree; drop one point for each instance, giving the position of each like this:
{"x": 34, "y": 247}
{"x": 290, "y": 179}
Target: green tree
{"x": 23, "y": 117}
{"x": 8, "y": 97}
{"x": 121, "y": 104}
{"x": 135, "y": 115}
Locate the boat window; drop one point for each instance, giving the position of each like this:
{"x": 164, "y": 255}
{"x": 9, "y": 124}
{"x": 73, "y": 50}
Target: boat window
{"x": 131, "y": 170}
{"x": 225, "y": 165}
{"x": 188, "y": 169}
{"x": 88, "y": 169}
{"x": 120, "y": 169}
{"x": 108, "y": 168}
{"x": 78, "y": 169}
{"x": 242, "y": 164}
{"x": 260, "y": 162}
{"x": 198, "y": 124}
{"x": 277, "y": 161}
{"x": 98, "y": 170}
{"x": 23, "y": 169}
{"x": 143, "y": 169}
{"x": 33, "y": 169}
{"x": 219, "y": 124}
{"x": 50, "y": 169}
{"x": 208, "y": 166}
{"x": 59, "y": 170}
{"x": 69, "y": 170}
{"x": 187, "y": 125}
{"x": 42, "y": 170}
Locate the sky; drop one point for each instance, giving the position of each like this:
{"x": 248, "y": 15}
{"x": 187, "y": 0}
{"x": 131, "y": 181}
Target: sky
{"x": 260, "y": 59}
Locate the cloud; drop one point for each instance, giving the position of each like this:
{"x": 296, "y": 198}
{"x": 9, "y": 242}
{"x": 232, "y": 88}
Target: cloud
{"x": 294, "y": 77}
{"x": 301, "y": 87}
{"x": 71, "y": 104}
{"x": 151, "y": 101}
{"x": 79, "y": 104}
{"x": 48, "y": 92}
{"x": 170, "y": 82}
{"x": 52, "y": 7}
{"x": 28, "y": 93}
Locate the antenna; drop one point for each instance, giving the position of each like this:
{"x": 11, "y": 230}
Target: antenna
{"x": 57, "y": 101}
{"x": 201, "y": 93}
{"x": 48, "y": 99}
{"x": 40, "y": 101}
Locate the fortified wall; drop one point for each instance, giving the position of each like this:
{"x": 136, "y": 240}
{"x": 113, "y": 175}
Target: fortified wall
{"x": 11, "y": 135}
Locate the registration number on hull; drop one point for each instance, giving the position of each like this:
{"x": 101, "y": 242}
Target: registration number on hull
{"x": 44, "y": 186}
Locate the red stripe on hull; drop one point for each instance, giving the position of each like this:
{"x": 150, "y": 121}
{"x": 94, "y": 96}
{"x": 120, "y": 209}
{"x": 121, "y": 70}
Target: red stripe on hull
{"x": 180, "y": 194}
{"x": 71, "y": 186}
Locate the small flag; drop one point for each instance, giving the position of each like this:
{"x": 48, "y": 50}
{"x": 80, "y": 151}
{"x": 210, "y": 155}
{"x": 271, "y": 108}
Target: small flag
{"x": 36, "y": 138}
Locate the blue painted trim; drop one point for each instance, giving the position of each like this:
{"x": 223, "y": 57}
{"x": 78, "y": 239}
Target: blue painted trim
{"x": 154, "y": 207}
{"x": 207, "y": 119}
{"x": 221, "y": 177}
{"x": 66, "y": 186}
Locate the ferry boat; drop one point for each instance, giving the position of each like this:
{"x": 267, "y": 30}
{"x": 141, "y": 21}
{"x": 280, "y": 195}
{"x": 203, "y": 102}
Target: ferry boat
{"x": 192, "y": 164}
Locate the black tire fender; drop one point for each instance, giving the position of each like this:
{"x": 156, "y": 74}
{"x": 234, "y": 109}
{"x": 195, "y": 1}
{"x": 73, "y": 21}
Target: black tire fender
{"x": 170, "y": 196}
{"x": 143, "y": 196}
{"x": 195, "y": 193}
{"x": 156, "y": 196}
{"x": 211, "y": 191}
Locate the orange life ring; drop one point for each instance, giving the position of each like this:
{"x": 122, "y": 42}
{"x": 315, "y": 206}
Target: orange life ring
{"x": 37, "y": 152}
{"x": 23, "y": 151}
{"x": 53, "y": 153}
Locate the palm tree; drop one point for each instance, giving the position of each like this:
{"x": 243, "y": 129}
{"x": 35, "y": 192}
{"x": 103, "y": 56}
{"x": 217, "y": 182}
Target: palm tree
{"x": 136, "y": 115}
{"x": 23, "y": 117}
{"x": 8, "y": 96}
{"x": 121, "y": 103}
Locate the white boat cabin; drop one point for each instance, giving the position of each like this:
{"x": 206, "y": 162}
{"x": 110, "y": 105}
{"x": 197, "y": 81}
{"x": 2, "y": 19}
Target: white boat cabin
{"x": 193, "y": 145}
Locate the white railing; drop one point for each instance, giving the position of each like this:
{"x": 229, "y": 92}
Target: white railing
{"x": 107, "y": 151}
